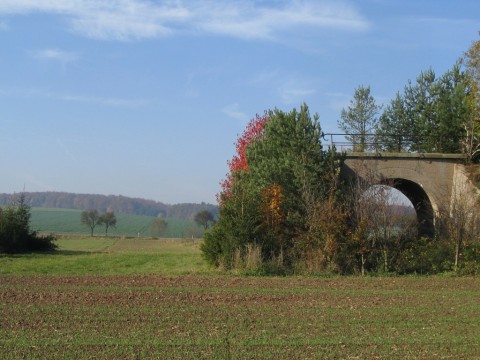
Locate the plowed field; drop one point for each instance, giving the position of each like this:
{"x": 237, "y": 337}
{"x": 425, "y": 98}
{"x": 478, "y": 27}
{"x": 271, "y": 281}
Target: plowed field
{"x": 226, "y": 317}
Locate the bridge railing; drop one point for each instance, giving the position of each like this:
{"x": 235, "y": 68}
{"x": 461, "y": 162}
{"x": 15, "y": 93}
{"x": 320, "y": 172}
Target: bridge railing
{"x": 381, "y": 143}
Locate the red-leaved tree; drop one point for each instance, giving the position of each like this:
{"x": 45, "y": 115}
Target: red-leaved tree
{"x": 253, "y": 132}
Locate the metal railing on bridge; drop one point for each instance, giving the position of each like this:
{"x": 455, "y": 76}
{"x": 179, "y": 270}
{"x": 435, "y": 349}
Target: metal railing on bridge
{"x": 409, "y": 143}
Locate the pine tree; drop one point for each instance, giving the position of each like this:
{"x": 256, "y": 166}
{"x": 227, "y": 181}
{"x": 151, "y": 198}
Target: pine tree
{"x": 359, "y": 120}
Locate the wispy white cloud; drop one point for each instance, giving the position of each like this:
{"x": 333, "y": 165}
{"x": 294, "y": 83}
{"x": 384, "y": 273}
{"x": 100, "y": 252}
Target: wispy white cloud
{"x": 444, "y": 21}
{"x": 294, "y": 89}
{"x": 233, "y": 111}
{"x": 106, "y": 19}
{"x": 294, "y": 93}
{"x": 289, "y": 87}
{"x": 95, "y": 100}
{"x": 248, "y": 19}
{"x": 56, "y": 55}
{"x": 115, "y": 102}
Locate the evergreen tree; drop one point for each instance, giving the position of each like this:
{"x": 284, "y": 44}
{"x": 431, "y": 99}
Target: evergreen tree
{"x": 15, "y": 233}
{"x": 451, "y": 110}
{"x": 419, "y": 100}
{"x": 394, "y": 131}
{"x": 268, "y": 199}
{"x": 471, "y": 63}
{"x": 360, "y": 119}
{"x": 429, "y": 116}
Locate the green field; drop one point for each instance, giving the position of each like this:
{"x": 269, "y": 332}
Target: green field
{"x": 67, "y": 221}
{"x": 107, "y": 298}
{"x": 111, "y": 256}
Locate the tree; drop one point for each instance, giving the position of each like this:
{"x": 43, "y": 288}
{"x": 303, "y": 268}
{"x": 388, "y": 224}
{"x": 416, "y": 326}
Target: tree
{"x": 158, "y": 227}
{"x": 429, "y": 116}
{"x": 360, "y": 118}
{"x": 394, "y": 128}
{"x": 90, "y": 218}
{"x": 15, "y": 233}
{"x": 108, "y": 219}
{"x": 204, "y": 218}
{"x": 452, "y": 109}
{"x": 462, "y": 220}
{"x": 378, "y": 231}
{"x": 471, "y": 63}
{"x": 238, "y": 220}
{"x": 269, "y": 195}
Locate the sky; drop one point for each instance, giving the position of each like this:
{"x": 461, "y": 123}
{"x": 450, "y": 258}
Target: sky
{"x": 146, "y": 98}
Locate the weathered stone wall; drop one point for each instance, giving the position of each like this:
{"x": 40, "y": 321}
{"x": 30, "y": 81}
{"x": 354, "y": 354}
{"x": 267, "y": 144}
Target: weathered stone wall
{"x": 464, "y": 192}
{"x": 435, "y": 178}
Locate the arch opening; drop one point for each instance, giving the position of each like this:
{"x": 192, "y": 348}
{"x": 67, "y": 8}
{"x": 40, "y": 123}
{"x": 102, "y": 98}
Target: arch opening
{"x": 420, "y": 202}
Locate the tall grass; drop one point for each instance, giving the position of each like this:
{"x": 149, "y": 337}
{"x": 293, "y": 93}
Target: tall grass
{"x": 250, "y": 260}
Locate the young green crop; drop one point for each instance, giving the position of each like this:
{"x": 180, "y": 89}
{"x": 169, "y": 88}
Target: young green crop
{"x": 221, "y": 317}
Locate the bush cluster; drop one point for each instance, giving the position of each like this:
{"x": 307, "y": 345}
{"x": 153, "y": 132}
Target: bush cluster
{"x": 15, "y": 233}
{"x": 284, "y": 209}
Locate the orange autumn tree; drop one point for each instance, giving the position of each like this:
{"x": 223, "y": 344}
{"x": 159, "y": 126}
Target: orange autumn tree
{"x": 271, "y": 205}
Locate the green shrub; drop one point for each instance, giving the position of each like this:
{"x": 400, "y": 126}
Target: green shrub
{"x": 15, "y": 234}
{"x": 425, "y": 256}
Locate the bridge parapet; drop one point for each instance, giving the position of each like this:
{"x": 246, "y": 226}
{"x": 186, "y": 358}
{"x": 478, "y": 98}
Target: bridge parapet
{"x": 404, "y": 155}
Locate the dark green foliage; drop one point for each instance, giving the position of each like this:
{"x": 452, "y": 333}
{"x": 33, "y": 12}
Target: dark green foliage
{"x": 429, "y": 116}
{"x": 424, "y": 256}
{"x": 470, "y": 264}
{"x": 204, "y": 218}
{"x": 108, "y": 220}
{"x": 90, "y": 218}
{"x": 360, "y": 119}
{"x": 269, "y": 205}
{"x": 15, "y": 233}
{"x": 394, "y": 131}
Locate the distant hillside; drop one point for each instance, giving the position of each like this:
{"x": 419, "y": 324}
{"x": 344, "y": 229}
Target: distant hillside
{"x": 67, "y": 221}
{"x": 119, "y": 204}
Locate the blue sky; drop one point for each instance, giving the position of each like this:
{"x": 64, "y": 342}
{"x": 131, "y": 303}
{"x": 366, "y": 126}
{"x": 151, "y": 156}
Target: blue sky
{"x": 145, "y": 98}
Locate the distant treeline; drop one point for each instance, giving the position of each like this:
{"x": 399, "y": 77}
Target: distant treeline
{"x": 117, "y": 203}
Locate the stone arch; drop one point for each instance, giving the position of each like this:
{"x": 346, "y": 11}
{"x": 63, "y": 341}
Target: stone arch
{"x": 420, "y": 201}
{"x": 428, "y": 180}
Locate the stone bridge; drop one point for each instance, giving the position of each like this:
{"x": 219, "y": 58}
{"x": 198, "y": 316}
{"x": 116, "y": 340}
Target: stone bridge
{"x": 430, "y": 181}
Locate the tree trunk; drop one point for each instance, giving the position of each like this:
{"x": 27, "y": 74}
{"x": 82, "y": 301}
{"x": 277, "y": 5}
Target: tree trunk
{"x": 385, "y": 260}
{"x": 363, "y": 264}
{"x": 457, "y": 252}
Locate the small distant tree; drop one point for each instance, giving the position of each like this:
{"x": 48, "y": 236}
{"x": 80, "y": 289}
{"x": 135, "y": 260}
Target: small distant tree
{"x": 90, "y": 218}
{"x": 360, "y": 118}
{"x": 204, "y": 218}
{"x": 108, "y": 220}
{"x": 158, "y": 227}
